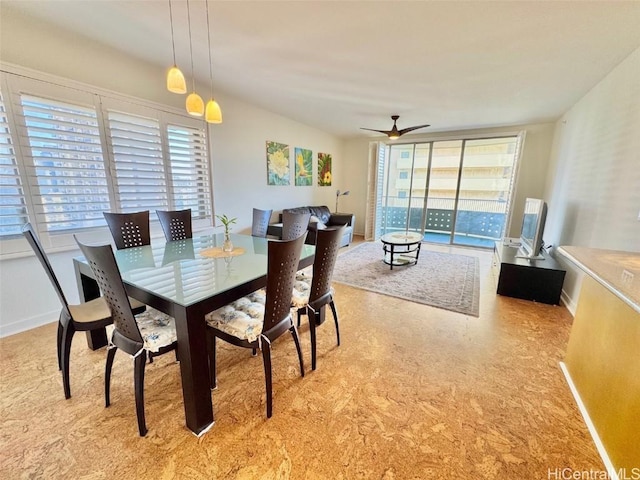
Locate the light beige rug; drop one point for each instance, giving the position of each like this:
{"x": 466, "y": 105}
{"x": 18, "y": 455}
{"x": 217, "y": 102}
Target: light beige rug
{"x": 442, "y": 280}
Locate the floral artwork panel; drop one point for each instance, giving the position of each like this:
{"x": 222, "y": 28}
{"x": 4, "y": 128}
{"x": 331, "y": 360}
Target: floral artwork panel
{"x": 277, "y": 163}
{"x": 303, "y": 167}
{"x": 324, "y": 169}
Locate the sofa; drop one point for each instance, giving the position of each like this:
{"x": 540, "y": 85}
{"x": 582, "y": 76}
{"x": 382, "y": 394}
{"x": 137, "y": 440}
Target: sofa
{"x": 321, "y": 216}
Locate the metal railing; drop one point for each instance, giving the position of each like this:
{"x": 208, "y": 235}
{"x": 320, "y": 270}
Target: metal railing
{"x": 484, "y": 219}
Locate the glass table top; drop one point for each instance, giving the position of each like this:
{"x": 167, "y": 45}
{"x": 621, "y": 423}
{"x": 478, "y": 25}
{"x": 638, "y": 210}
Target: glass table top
{"x": 401, "y": 238}
{"x": 178, "y": 271}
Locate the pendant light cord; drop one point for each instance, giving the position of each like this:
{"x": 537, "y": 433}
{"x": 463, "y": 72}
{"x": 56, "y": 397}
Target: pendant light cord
{"x": 209, "y": 40}
{"x": 193, "y": 78}
{"x": 173, "y": 43}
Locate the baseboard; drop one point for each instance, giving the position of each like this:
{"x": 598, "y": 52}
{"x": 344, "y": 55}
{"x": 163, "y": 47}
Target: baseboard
{"x": 568, "y": 302}
{"x": 612, "y": 473}
{"x": 28, "y": 323}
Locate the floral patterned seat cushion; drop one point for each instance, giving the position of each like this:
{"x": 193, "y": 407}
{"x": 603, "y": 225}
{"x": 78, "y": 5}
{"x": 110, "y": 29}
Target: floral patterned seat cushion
{"x": 158, "y": 330}
{"x": 302, "y": 289}
{"x": 242, "y": 318}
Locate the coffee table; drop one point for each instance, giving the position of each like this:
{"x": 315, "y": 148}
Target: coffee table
{"x": 401, "y": 248}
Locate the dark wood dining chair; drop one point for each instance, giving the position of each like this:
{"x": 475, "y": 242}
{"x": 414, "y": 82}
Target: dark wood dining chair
{"x": 294, "y": 224}
{"x": 257, "y": 320}
{"x": 90, "y": 315}
{"x": 151, "y": 331}
{"x": 129, "y": 229}
{"x": 176, "y": 224}
{"x": 260, "y": 224}
{"x": 311, "y": 294}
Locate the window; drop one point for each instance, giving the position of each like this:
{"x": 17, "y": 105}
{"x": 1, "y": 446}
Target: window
{"x": 67, "y": 170}
{"x": 466, "y": 181}
{"x": 136, "y": 146}
{"x": 13, "y": 207}
{"x": 68, "y": 155}
{"x": 189, "y": 168}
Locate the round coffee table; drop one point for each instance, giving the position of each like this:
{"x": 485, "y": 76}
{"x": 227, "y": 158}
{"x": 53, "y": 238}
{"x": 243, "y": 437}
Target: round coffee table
{"x": 401, "y": 248}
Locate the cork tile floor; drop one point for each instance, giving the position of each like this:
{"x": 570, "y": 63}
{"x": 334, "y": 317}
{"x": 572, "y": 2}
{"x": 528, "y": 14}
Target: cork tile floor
{"x": 413, "y": 392}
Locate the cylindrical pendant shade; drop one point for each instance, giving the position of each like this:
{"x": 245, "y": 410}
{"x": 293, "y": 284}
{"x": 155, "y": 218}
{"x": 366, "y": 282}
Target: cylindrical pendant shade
{"x": 195, "y": 105}
{"x": 213, "y": 113}
{"x": 175, "y": 81}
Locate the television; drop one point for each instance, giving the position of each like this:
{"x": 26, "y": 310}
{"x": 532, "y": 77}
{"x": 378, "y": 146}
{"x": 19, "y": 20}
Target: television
{"x": 533, "y": 219}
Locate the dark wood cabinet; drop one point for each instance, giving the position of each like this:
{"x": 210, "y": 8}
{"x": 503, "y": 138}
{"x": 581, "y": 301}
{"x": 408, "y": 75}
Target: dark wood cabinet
{"x": 536, "y": 280}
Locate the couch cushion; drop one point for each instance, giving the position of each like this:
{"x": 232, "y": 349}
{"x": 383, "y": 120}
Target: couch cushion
{"x": 315, "y": 222}
{"x": 321, "y": 212}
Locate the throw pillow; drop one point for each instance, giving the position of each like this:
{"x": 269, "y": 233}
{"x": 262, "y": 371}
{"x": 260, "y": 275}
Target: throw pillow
{"x": 319, "y": 225}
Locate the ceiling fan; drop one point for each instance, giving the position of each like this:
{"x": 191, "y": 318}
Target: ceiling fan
{"x": 394, "y": 132}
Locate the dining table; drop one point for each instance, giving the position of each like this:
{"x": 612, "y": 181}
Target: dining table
{"x": 187, "y": 279}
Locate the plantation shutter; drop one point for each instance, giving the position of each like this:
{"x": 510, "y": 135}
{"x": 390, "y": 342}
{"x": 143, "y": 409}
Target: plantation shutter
{"x": 138, "y": 168}
{"x": 67, "y": 165}
{"x": 377, "y": 155}
{"x": 189, "y": 169}
{"x": 13, "y": 205}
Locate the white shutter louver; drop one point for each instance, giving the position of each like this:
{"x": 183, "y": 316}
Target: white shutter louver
{"x": 139, "y": 170}
{"x": 13, "y": 207}
{"x": 68, "y": 165}
{"x": 189, "y": 170}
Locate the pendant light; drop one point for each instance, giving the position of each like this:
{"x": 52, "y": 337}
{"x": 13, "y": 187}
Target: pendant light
{"x": 213, "y": 114}
{"x": 175, "y": 79}
{"x": 194, "y": 103}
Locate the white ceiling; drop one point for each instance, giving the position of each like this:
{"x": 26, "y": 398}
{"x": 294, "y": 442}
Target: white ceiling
{"x": 341, "y": 65}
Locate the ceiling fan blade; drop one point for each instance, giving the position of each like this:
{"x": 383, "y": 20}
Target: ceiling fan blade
{"x": 411, "y": 129}
{"x": 386, "y": 132}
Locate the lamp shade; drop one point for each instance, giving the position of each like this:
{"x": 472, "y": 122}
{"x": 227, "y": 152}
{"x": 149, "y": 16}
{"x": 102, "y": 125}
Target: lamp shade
{"x": 195, "y": 105}
{"x": 175, "y": 81}
{"x": 213, "y": 114}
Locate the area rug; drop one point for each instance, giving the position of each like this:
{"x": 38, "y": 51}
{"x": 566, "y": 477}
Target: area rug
{"x": 441, "y": 280}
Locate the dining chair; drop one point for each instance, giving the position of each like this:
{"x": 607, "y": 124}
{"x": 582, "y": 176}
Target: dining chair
{"x": 129, "y": 229}
{"x": 260, "y": 222}
{"x": 294, "y": 224}
{"x": 176, "y": 224}
{"x": 258, "y": 319}
{"x": 150, "y": 332}
{"x": 311, "y": 294}
{"x": 86, "y": 316}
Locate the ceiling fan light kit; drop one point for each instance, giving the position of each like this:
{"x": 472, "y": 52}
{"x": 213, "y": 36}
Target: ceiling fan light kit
{"x": 394, "y": 133}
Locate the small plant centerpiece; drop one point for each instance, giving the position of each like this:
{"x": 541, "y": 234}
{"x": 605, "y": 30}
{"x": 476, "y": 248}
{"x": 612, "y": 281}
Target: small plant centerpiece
{"x": 227, "y": 246}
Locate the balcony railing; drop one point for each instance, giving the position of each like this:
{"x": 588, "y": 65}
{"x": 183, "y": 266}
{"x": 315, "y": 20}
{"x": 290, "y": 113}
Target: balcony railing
{"x": 480, "y": 219}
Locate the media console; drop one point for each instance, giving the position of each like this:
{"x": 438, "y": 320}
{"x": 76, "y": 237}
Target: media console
{"x": 537, "y": 280}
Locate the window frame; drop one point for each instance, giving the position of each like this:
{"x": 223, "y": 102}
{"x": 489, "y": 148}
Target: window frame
{"x": 15, "y": 81}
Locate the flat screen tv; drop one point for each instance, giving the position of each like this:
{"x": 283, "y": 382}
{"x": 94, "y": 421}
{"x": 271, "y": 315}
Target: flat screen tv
{"x": 535, "y": 214}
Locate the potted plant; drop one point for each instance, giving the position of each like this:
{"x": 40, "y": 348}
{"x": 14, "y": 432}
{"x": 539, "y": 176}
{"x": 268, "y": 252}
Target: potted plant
{"x": 227, "y": 246}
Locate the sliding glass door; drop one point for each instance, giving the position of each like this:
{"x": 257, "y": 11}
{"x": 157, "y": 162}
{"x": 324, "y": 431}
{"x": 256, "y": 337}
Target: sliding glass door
{"x": 451, "y": 192}
{"x": 486, "y": 179}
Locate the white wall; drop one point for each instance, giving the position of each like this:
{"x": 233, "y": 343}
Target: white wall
{"x": 238, "y": 153}
{"x": 593, "y": 182}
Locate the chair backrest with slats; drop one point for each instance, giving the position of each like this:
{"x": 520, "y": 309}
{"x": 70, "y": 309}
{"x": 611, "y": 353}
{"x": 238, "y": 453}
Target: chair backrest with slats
{"x": 30, "y": 234}
{"x": 127, "y": 335}
{"x": 176, "y": 224}
{"x": 294, "y": 224}
{"x": 129, "y": 229}
{"x": 282, "y": 265}
{"x": 327, "y": 246}
{"x": 260, "y": 223}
